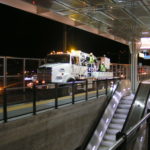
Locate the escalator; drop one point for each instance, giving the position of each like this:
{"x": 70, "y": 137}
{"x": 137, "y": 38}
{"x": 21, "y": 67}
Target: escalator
{"x": 117, "y": 122}
{"x": 123, "y": 111}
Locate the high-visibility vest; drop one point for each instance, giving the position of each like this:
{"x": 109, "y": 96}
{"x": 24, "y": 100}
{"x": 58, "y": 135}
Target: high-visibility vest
{"x": 91, "y": 59}
{"x": 102, "y": 68}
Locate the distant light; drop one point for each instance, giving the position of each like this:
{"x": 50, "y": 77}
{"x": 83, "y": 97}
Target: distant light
{"x": 33, "y": 2}
{"x": 141, "y": 55}
{"x": 43, "y": 82}
{"x": 1, "y": 88}
{"x": 146, "y": 56}
{"x": 145, "y": 33}
{"x": 145, "y": 43}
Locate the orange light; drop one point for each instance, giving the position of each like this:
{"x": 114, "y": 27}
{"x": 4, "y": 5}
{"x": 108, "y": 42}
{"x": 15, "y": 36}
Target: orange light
{"x": 43, "y": 82}
{"x": 59, "y": 52}
{"x": 1, "y": 88}
{"x": 30, "y": 84}
{"x": 36, "y": 81}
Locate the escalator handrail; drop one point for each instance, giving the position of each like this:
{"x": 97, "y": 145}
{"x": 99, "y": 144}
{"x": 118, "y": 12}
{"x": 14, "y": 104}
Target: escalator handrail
{"x": 131, "y": 106}
{"x": 89, "y": 135}
{"x": 129, "y": 132}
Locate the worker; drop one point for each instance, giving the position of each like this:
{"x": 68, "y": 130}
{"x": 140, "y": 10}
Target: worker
{"x": 92, "y": 59}
{"x": 91, "y": 64}
{"x": 102, "y": 67}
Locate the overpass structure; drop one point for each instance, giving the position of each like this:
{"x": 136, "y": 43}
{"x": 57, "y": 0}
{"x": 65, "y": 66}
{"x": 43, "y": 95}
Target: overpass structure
{"x": 125, "y": 21}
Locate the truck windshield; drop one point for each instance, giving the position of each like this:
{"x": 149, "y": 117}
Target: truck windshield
{"x": 58, "y": 59}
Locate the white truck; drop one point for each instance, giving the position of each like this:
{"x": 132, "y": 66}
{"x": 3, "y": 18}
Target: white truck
{"x": 62, "y": 67}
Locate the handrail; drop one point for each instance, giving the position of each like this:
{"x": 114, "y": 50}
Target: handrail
{"x": 34, "y": 97}
{"x": 131, "y": 106}
{"x": 90, "y": 133}
{"x": 129, "y": 132}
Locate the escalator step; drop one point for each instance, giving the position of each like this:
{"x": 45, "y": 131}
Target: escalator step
{"x": 122, "y": 111}
{"x": 125, "y": 106}
{"x": 130, "y": 97}
{"x": 118, "y": 121}
{"x": 103, "y": 148}
{"x": 120, "y": 116}
{"x": 107, "y": 143}
{"x": 126, "y": 102}
{"x": 115, "y": 126}
{"x": 110, "y": 137}
{"x": 112, "y": 131}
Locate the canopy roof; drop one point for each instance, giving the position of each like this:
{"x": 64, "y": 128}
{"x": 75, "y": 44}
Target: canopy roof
{"x": 119, "y": 20}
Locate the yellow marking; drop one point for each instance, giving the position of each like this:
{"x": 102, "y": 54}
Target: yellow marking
{"x": 28, "y": 105}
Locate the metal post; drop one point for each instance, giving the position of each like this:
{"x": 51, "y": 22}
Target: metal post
{"x": 86, "y": 89}
{"x": 106, "y": 84}
{"x": 73, "y": 92}
{"x": 124, "y": 144}
{"x": 56, "y": 95}
{"x": 97, "y": 81}
{"x": 5, "y": 71}
{"x": 34, "y": 100}
{"x": 24, "y": 69}
{"x": 5, "y": 105}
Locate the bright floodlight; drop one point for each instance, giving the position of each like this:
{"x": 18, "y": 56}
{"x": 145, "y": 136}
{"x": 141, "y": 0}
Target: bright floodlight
{"x": 145, "y": 43}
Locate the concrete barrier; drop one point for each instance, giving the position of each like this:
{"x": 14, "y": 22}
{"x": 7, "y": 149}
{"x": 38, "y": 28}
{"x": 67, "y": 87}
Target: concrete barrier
{"x": 61, "y": 129}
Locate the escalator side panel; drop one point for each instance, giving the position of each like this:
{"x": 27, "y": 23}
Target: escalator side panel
{"x": 138, "y": 107}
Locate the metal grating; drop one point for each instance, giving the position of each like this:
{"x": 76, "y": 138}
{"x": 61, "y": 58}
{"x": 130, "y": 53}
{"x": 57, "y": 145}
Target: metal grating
{"x": 126, "y": 19}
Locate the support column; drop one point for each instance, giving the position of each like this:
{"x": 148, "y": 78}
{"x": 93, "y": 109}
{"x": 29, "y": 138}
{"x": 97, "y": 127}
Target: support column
{"x": 134, "y": 63}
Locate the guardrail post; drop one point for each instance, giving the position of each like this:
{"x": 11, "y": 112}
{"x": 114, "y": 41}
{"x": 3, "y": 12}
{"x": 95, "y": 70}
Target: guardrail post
{"x": 97, "y": 81}
{"x": 106, "y": 84}
{"x": 56, "y": 95}
{"x": 86, "y": 89}
{"x": 118, "y": 136}
{"x": 5, "y": 105}
{"x": 34, "y": 99}
{"x": 73, "y": 92}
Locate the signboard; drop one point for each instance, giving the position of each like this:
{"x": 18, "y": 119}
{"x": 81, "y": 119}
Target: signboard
{"x": 146, "y": 56}
{"x": 141, "y": 55}
{"x": 145, "y": 43}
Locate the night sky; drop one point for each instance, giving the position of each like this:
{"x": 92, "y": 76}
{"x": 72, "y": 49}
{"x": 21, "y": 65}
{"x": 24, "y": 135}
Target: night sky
{"x": 26, "y": 35}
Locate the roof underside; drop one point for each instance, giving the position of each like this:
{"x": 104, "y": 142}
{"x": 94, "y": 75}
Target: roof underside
{"x": 119, "y": 20}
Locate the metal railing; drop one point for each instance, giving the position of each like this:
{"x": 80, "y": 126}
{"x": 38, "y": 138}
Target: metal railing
{"x": 126, "y": 135}
{"x": 42, "y": 99}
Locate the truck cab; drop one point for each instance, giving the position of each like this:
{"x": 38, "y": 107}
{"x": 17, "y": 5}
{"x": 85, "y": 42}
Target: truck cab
{"x": 63, "y": 67}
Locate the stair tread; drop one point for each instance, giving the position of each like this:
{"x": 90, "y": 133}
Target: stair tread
{"x": 118, "y": 121}
{"x": 103, "y": 148}
{"x": 126, "y": 102}
{"x": 122, "y": 111}
{"x": 121, "y": 116}
{"x": 115, "y": 126}
{"x": 130, "y": 97}
{"x": 112, "y": 131}
{"x": 110, "y": 137}
{"x": 107, "y": 143}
